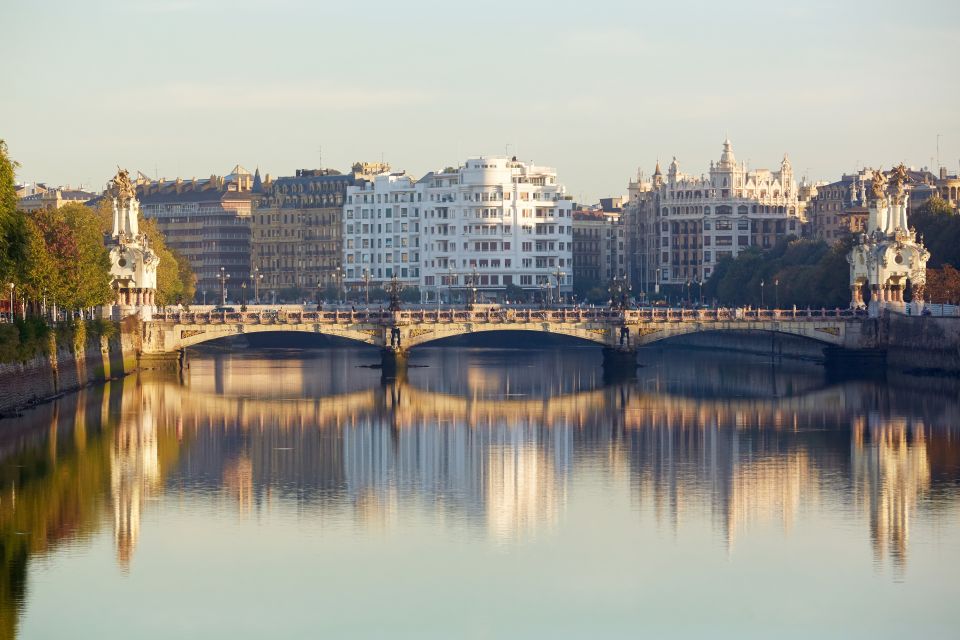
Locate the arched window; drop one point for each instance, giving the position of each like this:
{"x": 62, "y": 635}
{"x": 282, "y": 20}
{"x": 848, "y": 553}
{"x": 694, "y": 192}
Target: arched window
{"x": 742, "y": 209}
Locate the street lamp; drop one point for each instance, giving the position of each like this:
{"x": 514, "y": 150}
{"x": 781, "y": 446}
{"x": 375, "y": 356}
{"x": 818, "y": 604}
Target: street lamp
{"x": 339, "y": 276}
{"x": 450, "y": 285}
{"x": 223, "y": 277}
{"x": 366, "y": 286}
{"x": 243, "y": 296}
{"x": 559, "y": 276}
{"x": 256, "y": 276}
{"x": 761, "y": 293}
{"x": 319, "y": 284}
{"x": 11, "y": 286}
{"x": 688, "y": 292}
{"x": 203, "y": 294}
{"x": 776, "y": 293}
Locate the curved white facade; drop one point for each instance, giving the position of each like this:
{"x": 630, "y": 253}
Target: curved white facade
{"x": 492, "y": 223}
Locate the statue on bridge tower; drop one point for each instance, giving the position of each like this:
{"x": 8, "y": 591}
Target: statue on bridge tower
{"x": 133, "y": 265}
{"x": 888, "y": 254}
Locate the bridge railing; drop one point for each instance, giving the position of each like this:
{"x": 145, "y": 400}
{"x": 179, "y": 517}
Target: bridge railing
{"x": 503, "y": 316}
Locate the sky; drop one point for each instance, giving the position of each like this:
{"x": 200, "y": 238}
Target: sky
{"x": 596, "y": 89}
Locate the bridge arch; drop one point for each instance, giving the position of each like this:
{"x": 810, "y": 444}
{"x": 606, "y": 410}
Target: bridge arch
{"x": 429, "y": 334}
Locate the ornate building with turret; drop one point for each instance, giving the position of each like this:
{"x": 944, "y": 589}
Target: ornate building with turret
{"x": 133, "y": 264}
{"x": 684, "y": 224}
{"x": 888, "y": 254}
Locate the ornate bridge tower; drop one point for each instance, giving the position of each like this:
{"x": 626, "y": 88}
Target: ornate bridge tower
{"x": 133, "y": 265}
{"x": 888, "y": 253}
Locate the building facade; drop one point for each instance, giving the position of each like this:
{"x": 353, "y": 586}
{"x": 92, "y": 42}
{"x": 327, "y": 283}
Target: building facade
{"x": 41, "y": 197}
{"x": 490, "y": 225}
{"x": 599, "y": 252}
{"x": 207, "y": 221}
{"x": 381, "y": 231}
{"x": 690, "y": 223}
{"x": 297, "y": 234}
{"x": 496, "y": 223}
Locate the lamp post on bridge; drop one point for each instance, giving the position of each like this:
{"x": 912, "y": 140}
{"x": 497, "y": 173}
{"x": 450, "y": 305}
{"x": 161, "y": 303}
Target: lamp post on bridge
{"x": 450, "y": 284}
{"x": 256, "y": 276}
{"x": 339, "y": 275}
{"x": 223, "y": 277}
{"x": 688, "y": 292}
{"x": 11, "y": 287}
{"x": 761, "y": 294}
{"x": 243, "y": 296}
{"x": 776, "y": 293}
{"x": 366, "y": 286}
{"x": 558, "y": 274}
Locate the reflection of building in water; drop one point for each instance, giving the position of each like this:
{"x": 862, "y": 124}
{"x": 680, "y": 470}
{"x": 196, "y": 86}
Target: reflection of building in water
{"x": 771, "y": 487}
{"x": 523, "y": 489}
{"x": 891, "y": 473}
{"x": 134, "y": 474}
{"x": 238, "y": 482}
{"x": 506, "y": 475}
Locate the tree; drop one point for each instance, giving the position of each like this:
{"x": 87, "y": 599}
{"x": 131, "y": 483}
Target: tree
{"x": 188, "y": 279}
{"x": 8, "y": 213}
{"x": 936, "y": 221}
{"x": 169, "y": 286}
{"x": 75, "y": 271}
{"x": 943, "y": 285}
{"x": 794, "y": 272}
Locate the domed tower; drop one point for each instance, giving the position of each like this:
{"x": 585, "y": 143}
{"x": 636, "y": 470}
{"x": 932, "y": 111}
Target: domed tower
{"x": 727, "y": 159}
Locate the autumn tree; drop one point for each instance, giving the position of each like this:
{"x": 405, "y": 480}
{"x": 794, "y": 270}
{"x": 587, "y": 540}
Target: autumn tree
{"x": 75, "y": 270}
{"x": 943, "y": 285}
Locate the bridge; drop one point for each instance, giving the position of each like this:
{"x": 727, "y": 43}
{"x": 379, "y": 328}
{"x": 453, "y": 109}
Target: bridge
{"x": 620, "y": 332}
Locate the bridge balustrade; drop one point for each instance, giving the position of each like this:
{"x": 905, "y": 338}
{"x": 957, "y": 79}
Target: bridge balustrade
{"x": 503, "y": 316}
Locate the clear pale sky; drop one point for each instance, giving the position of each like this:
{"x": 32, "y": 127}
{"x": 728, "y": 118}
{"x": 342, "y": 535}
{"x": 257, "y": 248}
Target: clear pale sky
{"x": 596, "y": 89}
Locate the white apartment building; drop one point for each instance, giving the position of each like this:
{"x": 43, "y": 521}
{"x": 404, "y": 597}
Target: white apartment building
{"x": 492, "y": 223}
{"x": 381, "y": 232}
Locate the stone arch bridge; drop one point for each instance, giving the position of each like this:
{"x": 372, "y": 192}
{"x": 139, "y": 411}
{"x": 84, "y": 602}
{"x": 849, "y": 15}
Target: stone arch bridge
{"x": 396, "y": 332}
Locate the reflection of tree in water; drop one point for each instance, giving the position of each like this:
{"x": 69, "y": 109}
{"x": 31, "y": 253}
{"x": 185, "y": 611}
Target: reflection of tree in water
{"x": 57, "y": 486}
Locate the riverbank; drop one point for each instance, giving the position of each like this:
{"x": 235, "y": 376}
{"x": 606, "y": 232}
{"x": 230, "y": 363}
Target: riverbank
{"x": 70, "y": 361}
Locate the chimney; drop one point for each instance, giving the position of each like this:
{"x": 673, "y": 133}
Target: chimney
{"x": 943, "y": 173}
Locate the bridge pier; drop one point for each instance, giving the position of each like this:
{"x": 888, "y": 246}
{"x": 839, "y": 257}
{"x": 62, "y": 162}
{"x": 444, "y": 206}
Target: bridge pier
{"x": 619, "y": 364}
{"x": 169, "y": 361}
{"x": 393, "y": 363}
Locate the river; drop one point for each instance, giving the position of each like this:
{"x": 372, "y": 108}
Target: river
{"x": 490, "y": 493}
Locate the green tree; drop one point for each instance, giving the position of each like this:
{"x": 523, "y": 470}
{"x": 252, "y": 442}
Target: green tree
{"x": 939, "y": 225}
{"x": 188, "y": 279}
{"x": 169, "y": 285}
{"x": 8, "y": 213}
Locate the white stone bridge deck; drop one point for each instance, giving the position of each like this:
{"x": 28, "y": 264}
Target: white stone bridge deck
{"x": 402, "y": 330}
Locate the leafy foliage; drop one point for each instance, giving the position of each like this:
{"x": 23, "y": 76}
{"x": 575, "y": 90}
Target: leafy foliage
{"x": 943, "y": 285}
{"x": 794, "y": 272}
{"x": 936, "y": 221}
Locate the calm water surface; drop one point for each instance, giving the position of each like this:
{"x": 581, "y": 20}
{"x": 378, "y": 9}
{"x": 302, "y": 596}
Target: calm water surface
{"x": 493, "y": 493}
